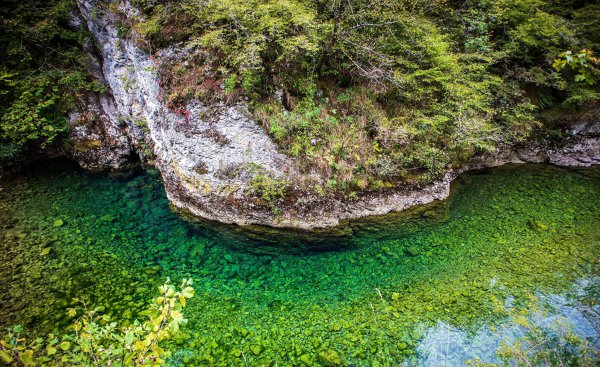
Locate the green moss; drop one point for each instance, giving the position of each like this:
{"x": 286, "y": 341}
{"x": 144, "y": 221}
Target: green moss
{"x": 86, "y": 145}
{"x": 268, "y": 187}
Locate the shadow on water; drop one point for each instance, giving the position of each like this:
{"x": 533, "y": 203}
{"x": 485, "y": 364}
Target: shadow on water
{"x": 264, "y": 240}
{"x": 261, "y": 240}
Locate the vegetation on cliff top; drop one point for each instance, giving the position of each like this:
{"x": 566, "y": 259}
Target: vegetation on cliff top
{"x": 367, "y": 93}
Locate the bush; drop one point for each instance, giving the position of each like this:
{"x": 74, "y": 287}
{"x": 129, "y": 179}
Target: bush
{"x": 96, "y": 341}
{"x": 267, "y": 187}
{"x": 351, "y": 87}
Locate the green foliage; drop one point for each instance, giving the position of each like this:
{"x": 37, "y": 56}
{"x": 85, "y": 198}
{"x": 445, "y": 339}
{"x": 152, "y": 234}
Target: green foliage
{"x": 9, "y": 151}
{"x": 42, "y": 70}
{"x": 96, "y": 340}
{"x": 266, "y": 186}
{"x": 583, "y": 64}
{"x": 33, "y": 114}
{"x": 374, "y": 93}
{"x": 257, "y": 37}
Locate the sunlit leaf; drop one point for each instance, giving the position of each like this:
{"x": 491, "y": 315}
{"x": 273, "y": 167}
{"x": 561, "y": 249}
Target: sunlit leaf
{"x": 188, "y": 292}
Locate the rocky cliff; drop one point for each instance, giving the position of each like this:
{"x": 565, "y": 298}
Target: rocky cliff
{"x": 203, "y": 151}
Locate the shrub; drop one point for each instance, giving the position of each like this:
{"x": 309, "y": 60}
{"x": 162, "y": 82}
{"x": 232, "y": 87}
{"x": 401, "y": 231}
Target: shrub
{"x": 266, "y": 186}
{"x": 42, "y": 70}
{"x": 95, "y": 340}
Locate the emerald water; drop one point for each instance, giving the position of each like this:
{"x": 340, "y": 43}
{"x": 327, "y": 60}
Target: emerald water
{"x": 374, "y": 291}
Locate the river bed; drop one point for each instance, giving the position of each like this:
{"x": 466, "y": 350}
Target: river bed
{"x": 375, "y": 292}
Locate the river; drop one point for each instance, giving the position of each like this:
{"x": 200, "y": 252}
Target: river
{"x": 416, "y": 287}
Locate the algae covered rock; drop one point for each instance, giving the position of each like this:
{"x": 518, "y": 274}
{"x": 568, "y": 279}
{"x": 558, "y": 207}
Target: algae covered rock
{"x": 256, "y": 349}
{"x": 412, "y": 250}
{"x": 330, "y": 358}
{"x": 306, "y": 359}
{"x": 536, "y": 225}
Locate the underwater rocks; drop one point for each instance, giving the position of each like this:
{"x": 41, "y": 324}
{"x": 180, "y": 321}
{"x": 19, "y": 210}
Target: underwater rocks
{"x": 256, "y": 349}
{"x": 536, "y": 225}
{"x": 286, "y": 307}
{"x": 330, "y": 358}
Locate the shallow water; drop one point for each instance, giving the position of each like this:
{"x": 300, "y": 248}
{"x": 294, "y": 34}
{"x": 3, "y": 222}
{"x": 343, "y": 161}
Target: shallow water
{"x": 373, "y": 291}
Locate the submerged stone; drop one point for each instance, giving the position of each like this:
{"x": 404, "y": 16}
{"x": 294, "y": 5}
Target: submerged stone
{"x": 537, "y": 225}
{"x": 306, "y": 359}
{"x": 330, "y": 358}
{"x": 256, "y": 349}
{"x": 412, "y": 250}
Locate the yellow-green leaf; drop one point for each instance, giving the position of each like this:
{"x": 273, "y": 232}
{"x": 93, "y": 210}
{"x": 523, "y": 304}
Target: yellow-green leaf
{"x": 5, "y": 357}
{"x": 182, "y": 300}
{"x": 50, "y": 350}
{"x": 188, "y": 292}
{"x": 27, "y": 358}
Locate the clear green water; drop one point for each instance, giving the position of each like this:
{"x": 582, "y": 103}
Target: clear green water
{"x": 504, "y": 232}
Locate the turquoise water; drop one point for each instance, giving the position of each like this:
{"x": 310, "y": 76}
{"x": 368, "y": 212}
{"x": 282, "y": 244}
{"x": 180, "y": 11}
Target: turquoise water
{"x": 370, "y": 291}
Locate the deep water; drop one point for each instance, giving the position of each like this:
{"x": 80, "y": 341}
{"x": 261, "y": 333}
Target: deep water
{"x": 375, "y": 291}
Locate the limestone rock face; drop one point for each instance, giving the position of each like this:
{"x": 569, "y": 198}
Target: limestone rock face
{"x": 96, "y": 140}
{"x": 581, "y": 149}
{"x": 203, "y": 151}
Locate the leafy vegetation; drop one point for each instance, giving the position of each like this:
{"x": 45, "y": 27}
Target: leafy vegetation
{"x": 583, "y": 64}
{"x": 96, "y": 340}
{"x": 267, "y": 187}
{"x": 369, "y": 94}
{"x": 42, "y": 71}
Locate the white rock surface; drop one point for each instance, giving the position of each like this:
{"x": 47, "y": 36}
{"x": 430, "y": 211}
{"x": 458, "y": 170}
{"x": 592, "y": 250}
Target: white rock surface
{"x": 191, "y": 151}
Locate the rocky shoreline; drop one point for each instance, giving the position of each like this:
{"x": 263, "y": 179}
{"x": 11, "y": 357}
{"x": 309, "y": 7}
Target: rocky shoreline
{"x": 199, "y": 151}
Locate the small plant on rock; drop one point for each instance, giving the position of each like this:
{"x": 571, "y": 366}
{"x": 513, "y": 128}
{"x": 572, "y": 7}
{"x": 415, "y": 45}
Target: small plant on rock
{"x": 267, "y": 187}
